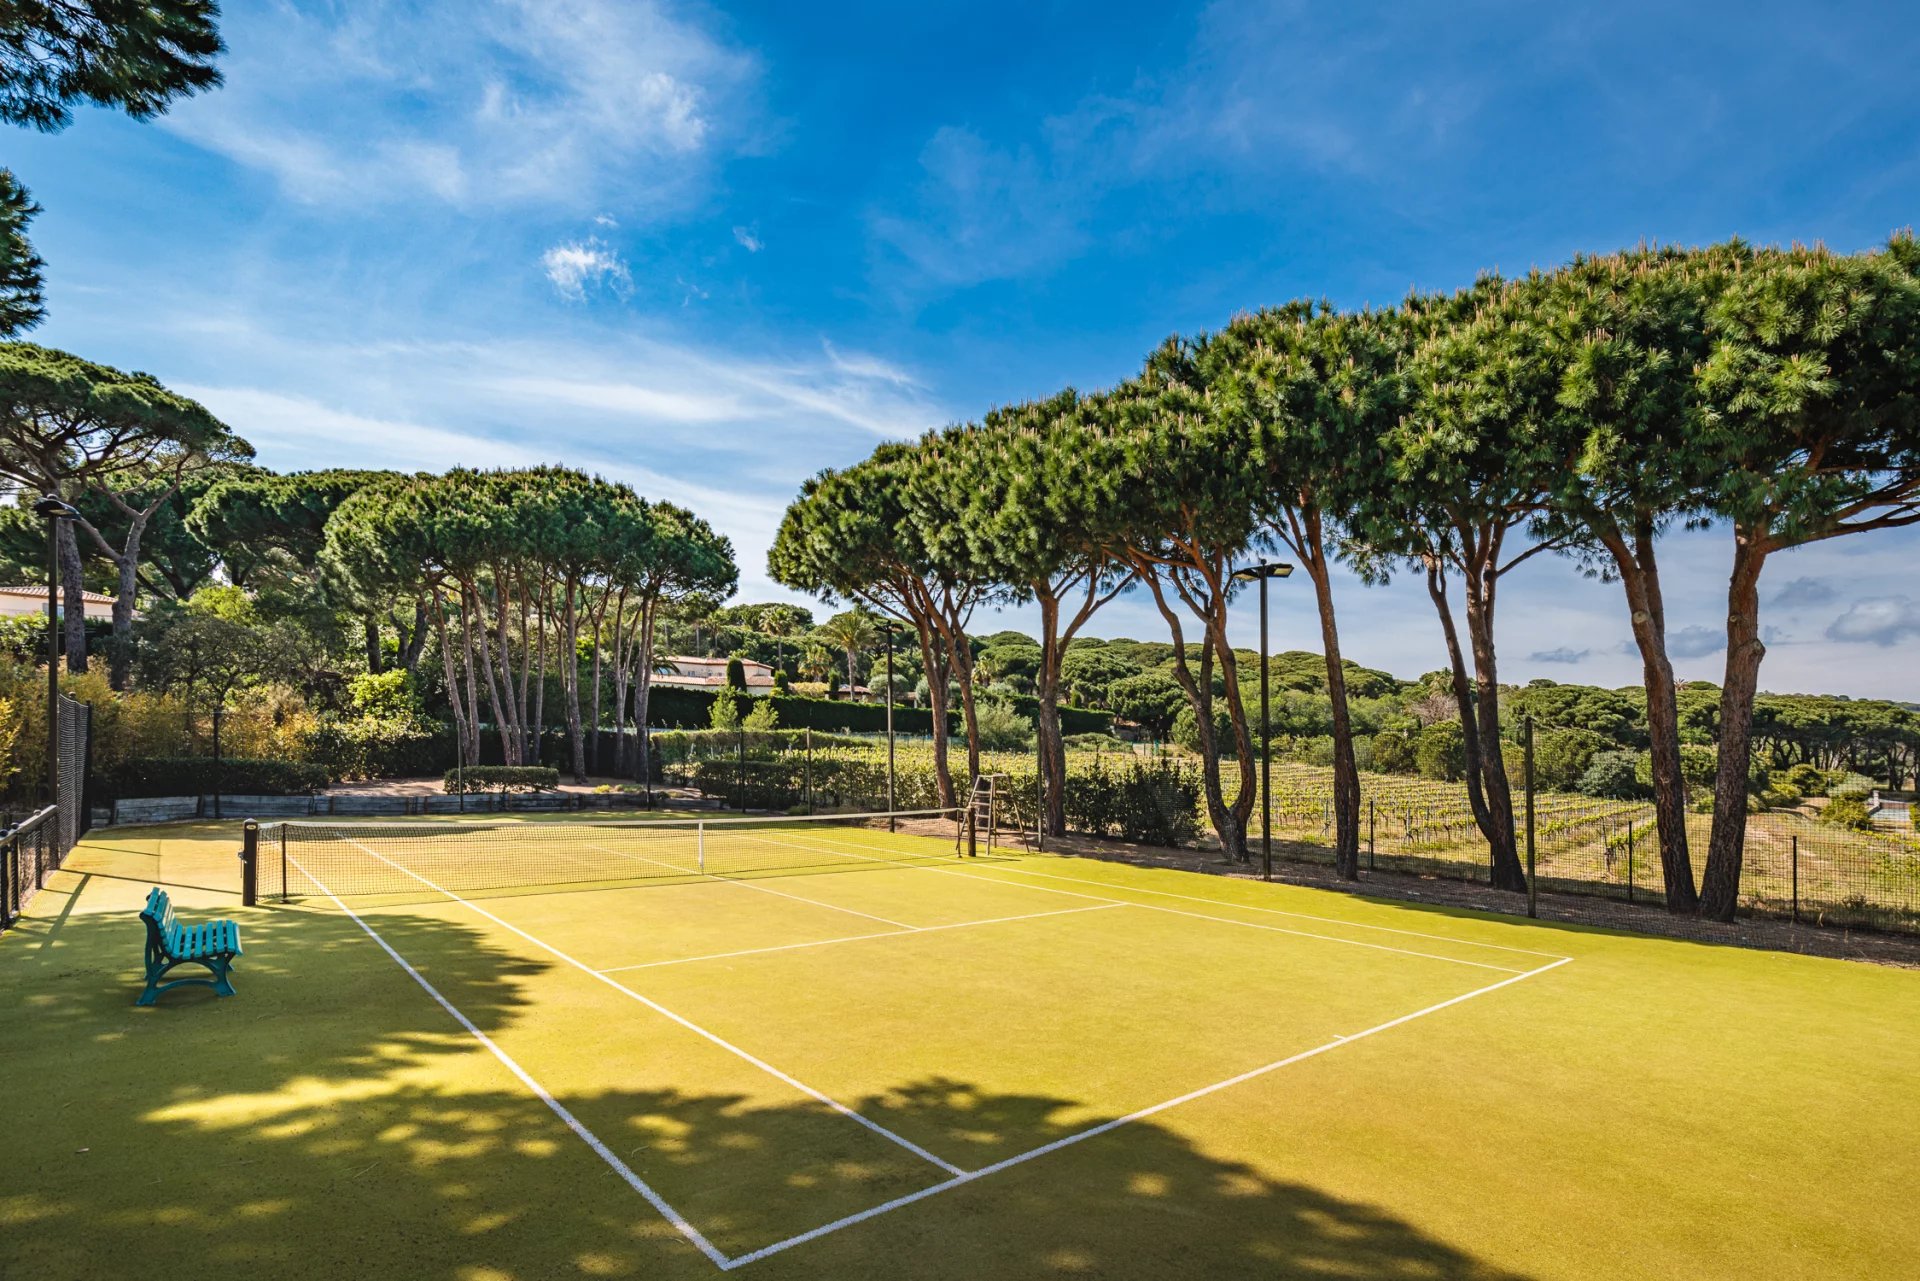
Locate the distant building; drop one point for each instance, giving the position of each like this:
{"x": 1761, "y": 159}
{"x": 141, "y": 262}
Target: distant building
{"x": 680, "y": 672}
{"x": 15, "y": 601}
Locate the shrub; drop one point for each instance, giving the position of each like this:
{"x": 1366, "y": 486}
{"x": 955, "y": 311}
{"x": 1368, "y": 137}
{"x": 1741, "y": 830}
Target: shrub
{"x": 1186, "y": 731}
{"x": 1612, "y": 775}
{"x": 379, "y": 747}
{"x": 1847, "y": 811}
{"x": 1001, "y": 728}
{"x": 1847, "y": 786}
{"x": 1780, "y": 796}
{"x": 1092, "y": 743}
{"x": 725, "y": 711}
{"x": 1809, "y": 779}
{"x": 736, "y": 674}
{"x": 504, "y": 778}
{"x": 202, "y": 775}
{"x": 1561, "y": 756}
{"x": 1393, "y": 753}
{"x": 763, "y": 716}
{"x": 1440, "y": 752}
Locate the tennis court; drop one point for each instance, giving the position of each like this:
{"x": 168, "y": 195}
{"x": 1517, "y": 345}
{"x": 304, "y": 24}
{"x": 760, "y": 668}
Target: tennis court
{"x": 669, "y": 1048}
{"x": 834, "y": 970}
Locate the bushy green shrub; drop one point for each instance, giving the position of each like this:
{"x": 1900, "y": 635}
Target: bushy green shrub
{"x": 1561, "y": 756}
{"x": 1808, "y": 778}
{"x": 1440, "y": 752}
{"x": 725, "y": 710}
{"x": 762, "y": 717}
{"x": 1186, "y": 731}
{"x": 1847, "y": 811}
{"x": 1001, "y": 728}
{"x": 366, "y": 747}
{"x": 202, "y": 775}
{"x": 1093, "y": 743}
{"x": 1147, "y": 802}
{"x": 1780, "y": 795}
{"x": 1612, "y": 775}
{"x": 1393, "y": 753}
{"x": 503, "y": 778}
{"x": 1848, "y": 786}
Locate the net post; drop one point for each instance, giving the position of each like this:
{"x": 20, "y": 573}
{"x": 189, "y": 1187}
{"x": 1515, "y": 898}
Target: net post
{"x": 283, "y": 862}
{"x": 809, "y": 784}
{"x": 700, "y": 844}
{"x": 249, "y": 863}
{"x": 973, "y": 825}
{"x": 1629, "y": 858}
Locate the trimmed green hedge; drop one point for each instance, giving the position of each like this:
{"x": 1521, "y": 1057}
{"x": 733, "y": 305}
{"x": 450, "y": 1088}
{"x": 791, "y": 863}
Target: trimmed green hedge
{"x": 503, "y": 778}
{"x": 202, "y": 775}
{"x": 671, "y": 707}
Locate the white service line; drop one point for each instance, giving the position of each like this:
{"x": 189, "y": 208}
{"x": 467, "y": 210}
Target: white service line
{"x": 1200, "y": 916}
{"x": 559, "y": 1109}
{"x": 857, "y": 938}
{"x": 749, "y": 885}
{"x": 691, "y": 1026}
{"x": 1106, "y": 1126}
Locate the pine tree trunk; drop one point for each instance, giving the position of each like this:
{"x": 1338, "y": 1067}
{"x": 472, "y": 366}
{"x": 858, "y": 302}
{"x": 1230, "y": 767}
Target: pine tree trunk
{"x": 1640, "y": 576}
{"x": 1463, "y": 703}
{"x": 120, "y": 658}
{"x": 73, "y": 594}
{"x": 1720, "y": 886}
{"x": 937, "y": 677}
{"x": 1506, "y": 872}
{"x": 1053, "y": 747}
{"x": 1346, "y": 769}
{"x": 569, "y": 661}
{"x": 370, "y": 630}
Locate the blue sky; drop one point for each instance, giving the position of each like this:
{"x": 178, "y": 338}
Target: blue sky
{"x": 709, "y": 249}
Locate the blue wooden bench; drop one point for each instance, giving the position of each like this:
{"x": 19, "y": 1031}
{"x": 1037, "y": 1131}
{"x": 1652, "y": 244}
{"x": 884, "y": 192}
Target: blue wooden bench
{"x": 171, "y": 944}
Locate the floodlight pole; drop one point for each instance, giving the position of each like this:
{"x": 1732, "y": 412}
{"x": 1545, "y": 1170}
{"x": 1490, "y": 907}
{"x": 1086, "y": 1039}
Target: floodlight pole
{"x": 51, "y": 509}
{"x": 1262, "y": 572}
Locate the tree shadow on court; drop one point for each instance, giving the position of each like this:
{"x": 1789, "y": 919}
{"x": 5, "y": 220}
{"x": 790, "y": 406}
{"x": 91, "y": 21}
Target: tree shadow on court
{"x": 332, "y": 1121}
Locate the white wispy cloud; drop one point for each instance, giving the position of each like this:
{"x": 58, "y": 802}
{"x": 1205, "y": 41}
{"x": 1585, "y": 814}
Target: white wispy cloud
{"x": 553, "y": 102}
{"x": 575, "y": 265}
{"x": 748, "y": 241}
{"x": 1878, "y": 620}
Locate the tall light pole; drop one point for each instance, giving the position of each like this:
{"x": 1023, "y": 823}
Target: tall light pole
{"x": 50, "y": 509}
{"x": 1248, "y": 573}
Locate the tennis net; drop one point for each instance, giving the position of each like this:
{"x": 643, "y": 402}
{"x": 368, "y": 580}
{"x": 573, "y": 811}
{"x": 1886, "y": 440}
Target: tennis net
{"x": 353, "y": 859}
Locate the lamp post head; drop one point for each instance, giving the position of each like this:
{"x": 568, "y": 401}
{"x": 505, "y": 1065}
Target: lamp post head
{"x": 50, "y": 507}
{"x": 1264, "y": 569}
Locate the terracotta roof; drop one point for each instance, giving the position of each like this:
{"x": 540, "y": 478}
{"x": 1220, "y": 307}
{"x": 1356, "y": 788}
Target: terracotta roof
{"x": 40, "y": 593}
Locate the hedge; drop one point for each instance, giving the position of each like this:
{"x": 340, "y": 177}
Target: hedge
{"x": 503, "y": 778}
{"x": 674, "y": 707}
{"x": 202, "y": 775}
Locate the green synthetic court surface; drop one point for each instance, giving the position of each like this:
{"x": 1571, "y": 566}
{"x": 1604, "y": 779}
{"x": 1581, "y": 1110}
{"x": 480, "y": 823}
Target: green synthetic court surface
{"x": 926, "y": 1067}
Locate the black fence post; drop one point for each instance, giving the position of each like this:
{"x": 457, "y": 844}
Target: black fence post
{"x": 249, "y": 863}
{"x": 9, "y": 855}
{"x": 742, "y": 769}
{"x": 809, "y": 733}
{"x": 1532, "y": 891}
{"x": 1370, "y": 825}
{"x": 1629, "y": 859}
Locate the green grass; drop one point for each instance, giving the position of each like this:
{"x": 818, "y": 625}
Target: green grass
{"x": 1649, "y": 1108}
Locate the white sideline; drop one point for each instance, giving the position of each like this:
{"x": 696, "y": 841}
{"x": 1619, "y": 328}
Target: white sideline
{"x": 859, "y": 938}
{"x": 1106, "y": 1126}
{"x": 691, "y": 1026}
{"x": 592, "y": 1140}
{"x": 1199, "y": 916}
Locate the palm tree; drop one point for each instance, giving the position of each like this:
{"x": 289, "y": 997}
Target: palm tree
{"x": 852, "y": 631}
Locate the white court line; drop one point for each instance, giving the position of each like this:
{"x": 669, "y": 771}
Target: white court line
{"x": 857, "y": 938}
{"x": 1199, "y": 916}
{"x": 691, "y": 1026}
{"x": 749, "y": 885}
{"x": 1103, "y": 1128}
{"x": 621, "y": 1168}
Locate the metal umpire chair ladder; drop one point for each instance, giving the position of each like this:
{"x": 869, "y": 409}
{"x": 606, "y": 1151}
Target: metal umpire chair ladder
{"x": 981, "y": 813}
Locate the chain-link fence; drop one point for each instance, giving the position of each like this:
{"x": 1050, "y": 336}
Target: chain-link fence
{"x": 33, "y": 850}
